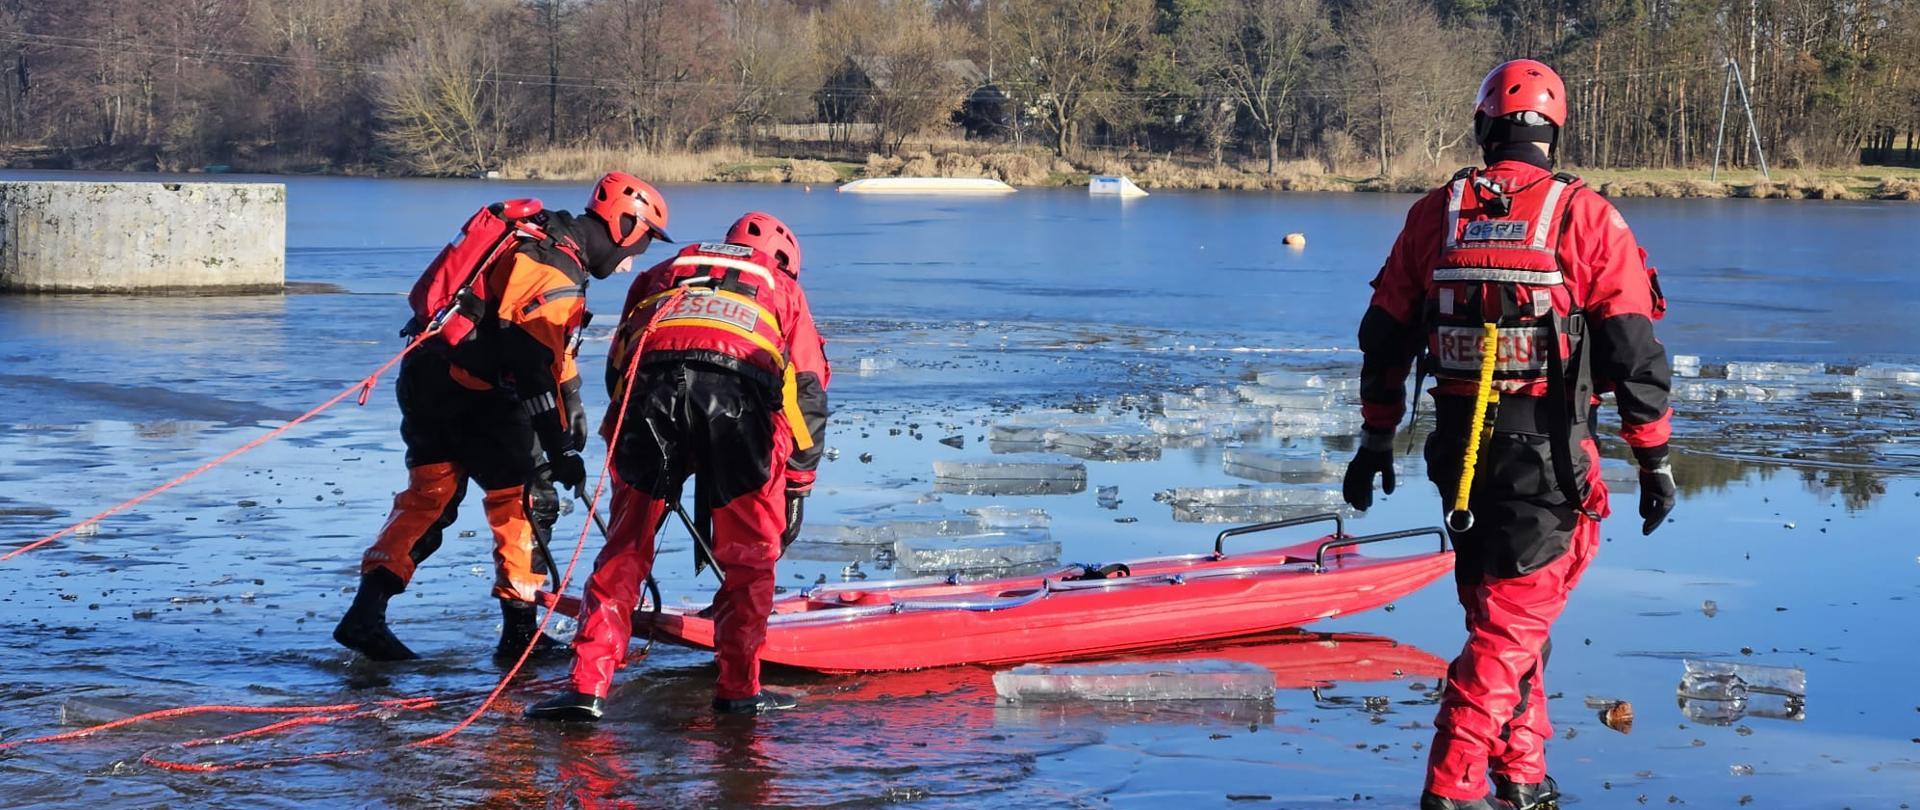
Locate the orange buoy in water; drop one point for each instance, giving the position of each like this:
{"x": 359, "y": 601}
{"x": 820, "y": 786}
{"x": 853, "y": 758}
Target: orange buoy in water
{"x": 1295, "y": 240}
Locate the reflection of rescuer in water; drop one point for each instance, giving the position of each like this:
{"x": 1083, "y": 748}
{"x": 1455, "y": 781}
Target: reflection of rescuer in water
{"x": 731, "y": 388}
{"x": 497, "y": 399}
{"x": 1546, "y": 271}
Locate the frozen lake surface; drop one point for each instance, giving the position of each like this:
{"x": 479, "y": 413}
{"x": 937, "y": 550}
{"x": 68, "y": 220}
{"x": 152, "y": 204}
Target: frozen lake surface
{"x": 1169, "y": 330}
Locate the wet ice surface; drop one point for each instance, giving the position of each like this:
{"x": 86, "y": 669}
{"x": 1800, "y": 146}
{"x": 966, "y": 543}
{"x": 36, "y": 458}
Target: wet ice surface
{"x": 1795, "y": 522}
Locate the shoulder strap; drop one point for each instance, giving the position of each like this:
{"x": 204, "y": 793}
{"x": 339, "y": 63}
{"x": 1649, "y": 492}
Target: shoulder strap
{"x": 1463, "y": 174}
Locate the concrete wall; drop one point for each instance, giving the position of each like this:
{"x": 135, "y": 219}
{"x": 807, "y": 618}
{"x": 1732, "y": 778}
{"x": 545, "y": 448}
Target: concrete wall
{"x": 58, "y": 236}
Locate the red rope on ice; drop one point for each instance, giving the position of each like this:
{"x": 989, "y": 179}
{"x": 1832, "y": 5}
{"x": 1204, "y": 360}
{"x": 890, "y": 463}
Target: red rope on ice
{"x": 320, "y": 715}
{"x": 364, "y": 387}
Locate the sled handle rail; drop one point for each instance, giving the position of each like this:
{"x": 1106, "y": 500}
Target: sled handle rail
{"x": 1320, "y": 555}
{"x": 1220, "y": 540}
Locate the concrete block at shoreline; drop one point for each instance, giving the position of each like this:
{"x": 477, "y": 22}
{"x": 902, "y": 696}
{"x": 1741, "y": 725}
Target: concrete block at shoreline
{"x": 89, "y": 237}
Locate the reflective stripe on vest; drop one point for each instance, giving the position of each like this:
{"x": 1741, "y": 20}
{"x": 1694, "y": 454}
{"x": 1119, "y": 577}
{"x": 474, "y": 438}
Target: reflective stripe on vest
{"x": 742, "y": 265}
{"x": 789, "y": 382}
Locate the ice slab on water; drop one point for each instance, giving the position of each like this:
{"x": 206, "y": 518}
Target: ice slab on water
{"x": 1202, "y": 398}
{"x": 1031, "y": 428}
{"x": 1286, "y": 399}
{"x": 1271, "y": 468}
{"x": 1008, "y": 517}
{"x": 989, "y": 477}
{"x": 1006, "y": 548}
{"x": 1334, "y": 382}
{"x": 1748, "y": 371}
{"x": 1112, "y": 442}
{"x": 869, "y": 366}
{"x": 1686, "y": 365}
{"x": 1729, "y": 390}
{"x": 1728, "y": 712}
{"x": 1339, "y": 421}
{"x": 1730, "y": 680}
{"x": 1247, "y": 504}
{"x": 1897, "y": 374}
{"x": 1191, "y": 679}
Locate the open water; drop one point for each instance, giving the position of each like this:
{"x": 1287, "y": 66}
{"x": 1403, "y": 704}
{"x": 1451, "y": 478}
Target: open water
{"x": 1792, "y": 544}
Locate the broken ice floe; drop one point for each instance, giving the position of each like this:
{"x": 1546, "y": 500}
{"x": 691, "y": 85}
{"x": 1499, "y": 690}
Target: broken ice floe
{"x": 1110, "y": 442}
{"x": 1721, "y": 692}
{"x": 1246, "y": 504}
{"x": 1189, "y": 679}
{"x": 985, "y": 551}
{"x": 874, "y": 540}
{"x": 991, "y": 477}
{"x": 1273, "y": 468}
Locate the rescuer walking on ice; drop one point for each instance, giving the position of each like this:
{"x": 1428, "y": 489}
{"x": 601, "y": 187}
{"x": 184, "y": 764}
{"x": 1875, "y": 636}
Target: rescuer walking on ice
{"x": 493, "y": 395}
{"x": 1528, "y": 295}
{"x": 729, "y": 385}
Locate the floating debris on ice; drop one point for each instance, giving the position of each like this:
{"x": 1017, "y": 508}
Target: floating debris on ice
{"x": 1191, "y": 679}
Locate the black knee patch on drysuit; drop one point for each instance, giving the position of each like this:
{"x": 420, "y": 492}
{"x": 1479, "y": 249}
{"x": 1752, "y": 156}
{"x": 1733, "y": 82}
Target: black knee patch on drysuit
{"x": 436, "y": 534}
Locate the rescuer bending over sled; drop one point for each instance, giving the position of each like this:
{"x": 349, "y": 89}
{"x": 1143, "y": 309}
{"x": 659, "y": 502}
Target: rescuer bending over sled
{"x": 728, "y": 384}
{"x": 493, "y": 395}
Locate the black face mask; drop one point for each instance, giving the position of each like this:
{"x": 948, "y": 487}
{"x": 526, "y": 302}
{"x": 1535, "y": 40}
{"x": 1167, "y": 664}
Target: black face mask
{"x": 598, "y": 252}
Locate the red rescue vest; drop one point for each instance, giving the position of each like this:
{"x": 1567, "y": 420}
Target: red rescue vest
{"x": 1502, "y": 268}
{"x": 719, "y": 300}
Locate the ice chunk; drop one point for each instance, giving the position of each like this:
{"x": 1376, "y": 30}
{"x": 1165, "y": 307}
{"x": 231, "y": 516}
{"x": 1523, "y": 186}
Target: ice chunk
{"x": 1009, "y": 477}
{"x": 1686, "y": 365}
{"x": 1337, "y": 422}
{"x": 1728, "y": 712}
{"x": 973, "y": 552}
{"x": 1246, "y": 504}
{"x": 1272, "y": 468}
{"x": 1290, "y": 400}
{"x": 1008, "y": 517}
{"x": 1031, "y": 428}
{"x": 1334, "y": 382}
{"x": 869, "y": 366}
{"x": 1108, "y": 497}
{"x": 1730, "y": 680}
{"x": 1190, "y": 679}
{"x": 1760, "y": 371}
{"x": 1201, "y": 398}
{"x": 1901, "y": 375}
{"x": 1114, "y": 442}
{"x": 862, "y": 541}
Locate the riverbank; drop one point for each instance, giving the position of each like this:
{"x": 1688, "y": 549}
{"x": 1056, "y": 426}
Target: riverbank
{"x": 824, "y": 164}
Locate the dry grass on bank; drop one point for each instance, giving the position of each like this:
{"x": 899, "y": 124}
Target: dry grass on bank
{"x": 1033, "y": 166}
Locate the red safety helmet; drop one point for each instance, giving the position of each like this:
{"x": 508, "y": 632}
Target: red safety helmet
{"x": 626, "y": 202}
{"x": 1521, "y": 86}
{"x": 767, "y": 234}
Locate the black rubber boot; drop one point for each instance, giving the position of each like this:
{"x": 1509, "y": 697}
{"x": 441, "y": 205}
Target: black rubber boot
{"x": 364, "y": 628}
{"x": 758, "y": 704}
{"x": 1429, "y": 801}
{"x": 518, "y": 623}
{"x": 1543, "y": 795}
{"x": 568, "y": 707}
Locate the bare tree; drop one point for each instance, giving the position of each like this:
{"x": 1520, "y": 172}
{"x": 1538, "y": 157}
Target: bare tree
{"x": 441, "y": 117}
{"x": 1258, "y": 52}
{"x": 1068, "y": 57}
{"x": 774, "y": 62}
{"x": 1403, "y": 80}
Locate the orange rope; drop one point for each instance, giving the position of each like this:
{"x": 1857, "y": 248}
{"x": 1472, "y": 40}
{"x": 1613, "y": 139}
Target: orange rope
{"x": 364, "y": 387}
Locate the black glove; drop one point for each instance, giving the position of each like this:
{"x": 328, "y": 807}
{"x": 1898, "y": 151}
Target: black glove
{"x": 1657, "y": 492}
{"x": 576, "y": 415}
{"x": 796, "y": 514}
{"x": 1374, "y": 456}
{"x": 567, "y": 470}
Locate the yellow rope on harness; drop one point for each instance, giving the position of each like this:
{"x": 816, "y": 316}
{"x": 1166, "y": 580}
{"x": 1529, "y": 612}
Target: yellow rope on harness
{"x": 1461, "y": 518}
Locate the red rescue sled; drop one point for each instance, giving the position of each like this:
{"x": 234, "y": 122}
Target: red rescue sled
{"x": 1071, "y": 612}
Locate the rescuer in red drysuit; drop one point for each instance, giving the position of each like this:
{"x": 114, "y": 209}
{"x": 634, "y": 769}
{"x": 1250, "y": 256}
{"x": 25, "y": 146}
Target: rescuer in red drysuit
{"x": 731, "y": 388}
{"x": 1554, "y": 266}
{"x": 504, "y": 411}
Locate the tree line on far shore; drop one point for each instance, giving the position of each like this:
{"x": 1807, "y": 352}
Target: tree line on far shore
{"x": 462, "y": 86}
